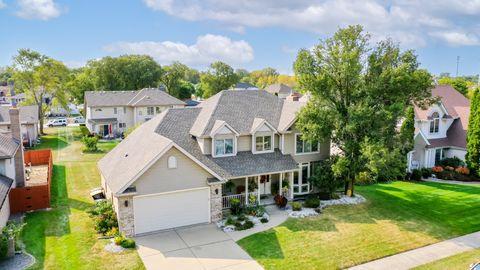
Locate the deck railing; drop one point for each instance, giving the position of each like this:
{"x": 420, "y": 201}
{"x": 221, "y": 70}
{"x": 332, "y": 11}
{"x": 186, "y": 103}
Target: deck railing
{"x": 242, "y": 197}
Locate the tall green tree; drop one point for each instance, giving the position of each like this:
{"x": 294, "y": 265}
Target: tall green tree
{"x": 172, "y": 77}
{"x": 359, "y": 91}
{"x": 407, "y": 131}
{"x": 262, "y": 78}
{"x": 473, "y": 135}
{"x": 219, "y": 76}
{"x": 460, "y": 84}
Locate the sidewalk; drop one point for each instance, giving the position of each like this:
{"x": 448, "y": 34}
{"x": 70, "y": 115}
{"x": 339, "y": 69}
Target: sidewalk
{"x": 420, "y": 256}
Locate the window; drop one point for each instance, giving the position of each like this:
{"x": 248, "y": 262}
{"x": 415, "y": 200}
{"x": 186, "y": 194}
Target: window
{"x": 300, "y": 179}
{"x": 124, "y": 110}
{"x": 223, "y": 147}
{"x": 98, "y": 110}
{"x": 263, "y": 143}
{"x": 149, "y": 110}
{"x": 140, "y": 112}
{"x": 157, "y": 110}
{"x": 114, "y": 110}
{"x": 304, "y": 147}
{"x": 435, "y": 122}
{"x": 122, "y": 125}
{"x": 438, "y": 155}
{"x": 172, "y": 162}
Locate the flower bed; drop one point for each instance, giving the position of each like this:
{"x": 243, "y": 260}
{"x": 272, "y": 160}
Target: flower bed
{"x": 241, "y": 222}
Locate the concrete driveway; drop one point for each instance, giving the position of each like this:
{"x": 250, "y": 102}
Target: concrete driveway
{"x": 202, "y": 247}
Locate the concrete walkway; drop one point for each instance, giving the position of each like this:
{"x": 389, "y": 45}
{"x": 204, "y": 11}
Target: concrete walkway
{"x": 423, "y": 255}
{"x": 436, "y": 180}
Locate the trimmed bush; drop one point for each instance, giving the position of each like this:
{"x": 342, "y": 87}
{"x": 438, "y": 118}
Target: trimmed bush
{"x": 118, "y": 240}
{"x": 236, "y": 206}
{"x": 437, "y": 169}
{"x": 112, "y": 232}
{"x": 264, "y": 220}
{"x": 451, "y": 162}
{"x": 280, "y": 200}
{"x": 104, "y": 217}
{"x": 230, "y": 221}
{"x": 463, "y": 170}
{"x": 416, "y": 175}
{"x": 449, "y": 168}
{"x": 3, "y": 246}
{"x": 128, "y": 243}
{"x": 312, "y": 201}
{"x": 426, "y": 173}
{"x": 296, "y": 206}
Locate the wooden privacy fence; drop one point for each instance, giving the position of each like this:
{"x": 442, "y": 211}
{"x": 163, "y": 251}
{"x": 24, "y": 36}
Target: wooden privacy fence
{"x": 33, "y": 197}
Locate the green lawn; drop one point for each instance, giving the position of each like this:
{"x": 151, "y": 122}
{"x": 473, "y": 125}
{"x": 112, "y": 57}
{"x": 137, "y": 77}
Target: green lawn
{"x": 397, "y": 217}
{"x": 460, "y": 261}
{"x": 64, "y": 238}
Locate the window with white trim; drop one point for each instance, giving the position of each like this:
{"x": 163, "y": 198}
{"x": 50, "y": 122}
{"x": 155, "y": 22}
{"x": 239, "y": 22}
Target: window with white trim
{"x": 115, "y": 110}
{"x": 435, "y": 122}
{"x": 157, "y": 110}
{"x": 122, "y": 125}
{"x": 263, "y": 143}
{"x": 305, "y": 147}
{"x": 150, "y": 110}
{"x": 224, "y": 147}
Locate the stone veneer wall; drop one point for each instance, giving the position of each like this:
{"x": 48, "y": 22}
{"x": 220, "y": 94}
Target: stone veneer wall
{"x": 215, "y": 202}
{"x": 125, "y": 216}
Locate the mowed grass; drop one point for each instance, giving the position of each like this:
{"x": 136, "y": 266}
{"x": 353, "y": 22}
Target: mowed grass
{"x": 64, "y": 237}
{"x": 460, "y": 261}
{"x": 398, "y": 216}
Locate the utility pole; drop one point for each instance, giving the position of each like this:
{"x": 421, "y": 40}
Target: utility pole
{"x": 458, "y": 62}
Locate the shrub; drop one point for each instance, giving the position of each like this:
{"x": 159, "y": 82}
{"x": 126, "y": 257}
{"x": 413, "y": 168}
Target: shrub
{"x": 264, "y": 220}
{"x": 449, "y": 168}
{"x": 104, "y": 217}
{"x": 84, "y": 130}
{"x": 241, "y": 217}
{"x": 416, "y": 175}
{"x": 3, "y": 246}
{"x": 334, "y": 196}
{"x": 323, "y": 177}
{"x": 90, "y": 144}
{"x": 463, "y": 170}
{"x": 280, "y": 200}
{"x": 230, "y": 221}
{"x": 451, "y": 162}
{"x": 112, "y": 232}
{"x": 437, "y": 169}
{"x": 296, "y": 206}
{"x": 245, "y": 226}
{"x": 236, "y": 206}
{"x": 118, "y": 240}
{"x": 13, "y": 230}
{"x": 312, "y": 201}
{"x": 128, "y": 243}
{"x": 426, "y": 173}
{"x": 364, "y": 178}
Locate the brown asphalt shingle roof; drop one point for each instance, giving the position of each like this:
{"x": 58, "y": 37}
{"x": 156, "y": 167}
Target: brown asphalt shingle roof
{"x": 8, "y": 146}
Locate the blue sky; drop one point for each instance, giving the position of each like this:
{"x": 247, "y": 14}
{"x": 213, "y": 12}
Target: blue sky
{"x": 244, "y": 33}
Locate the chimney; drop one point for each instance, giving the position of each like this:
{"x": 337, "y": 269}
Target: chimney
{"x": 293, "y": 97}
{"x": 17, "y": 136}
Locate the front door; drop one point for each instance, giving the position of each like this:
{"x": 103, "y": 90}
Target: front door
{"x": 104, "y": 130}
{"x": 265, "y": 185}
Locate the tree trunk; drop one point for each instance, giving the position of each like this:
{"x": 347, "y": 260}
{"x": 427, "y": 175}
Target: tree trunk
{"x": 349, "y": 188}
{"x": 40, "y": 117}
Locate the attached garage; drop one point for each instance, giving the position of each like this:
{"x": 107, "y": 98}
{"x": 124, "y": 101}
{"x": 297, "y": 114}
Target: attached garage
{"x": 171, "y": 209}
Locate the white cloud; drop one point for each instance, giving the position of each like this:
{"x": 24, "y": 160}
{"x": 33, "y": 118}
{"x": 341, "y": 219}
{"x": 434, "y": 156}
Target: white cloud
{"x": 2, "y": 4}
{"x": 37, "y": 9}
{"x": 207, "y": 49}
{"x": 409, "y": 22}
{"x": 457, "y": 38}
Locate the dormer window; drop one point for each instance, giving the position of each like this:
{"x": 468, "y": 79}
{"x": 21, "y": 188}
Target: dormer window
{"x": 224, "y": 147}
{"x": 435, "y": 122}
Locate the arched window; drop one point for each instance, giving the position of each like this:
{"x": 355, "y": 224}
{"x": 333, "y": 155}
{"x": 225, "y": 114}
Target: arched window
{"x": 172, "y": 162}
{"x": 435, "y": 122}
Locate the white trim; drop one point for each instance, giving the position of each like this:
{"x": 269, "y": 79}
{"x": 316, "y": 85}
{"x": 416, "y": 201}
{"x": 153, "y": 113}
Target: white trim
{"x": 224, "y": 124}
{"x": 251, "y": 175}
{"x": 254, "y": 143}
{"x": 264, "y": 122}
{"x": 234, "y": 153}
{"x": 171, "y": 192}
{"x": 307, "y": 153}
{"x": 282, "y": 139}
{"x": 198, "y": 162}
{"x": 423, "y": 136}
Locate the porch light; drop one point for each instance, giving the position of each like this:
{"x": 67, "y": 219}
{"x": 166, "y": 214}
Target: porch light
{"x": 216, "y": 191}
{"x": 126, "y": 203}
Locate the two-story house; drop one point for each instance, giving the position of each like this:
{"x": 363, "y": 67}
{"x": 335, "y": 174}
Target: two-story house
{"x": 441, "y": 129}
{"x": 110, "y": 113}
{"x": 183, "y": 166}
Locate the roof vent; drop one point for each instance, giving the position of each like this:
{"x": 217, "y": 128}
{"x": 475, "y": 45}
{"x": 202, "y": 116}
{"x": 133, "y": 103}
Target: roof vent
{"x": 126, "y": 155}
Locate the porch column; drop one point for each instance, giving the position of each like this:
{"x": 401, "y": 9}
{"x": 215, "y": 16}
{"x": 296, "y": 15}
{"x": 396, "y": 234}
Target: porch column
{"x": 280, "y": 191}
{"x": 291, "y": 185}
{"x": 258, "y": 189}
{"x": 246, "y": 190}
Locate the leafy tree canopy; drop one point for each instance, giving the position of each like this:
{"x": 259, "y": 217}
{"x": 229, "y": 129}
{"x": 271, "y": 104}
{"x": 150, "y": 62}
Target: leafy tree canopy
{"x": 219, "y": 76}
{"x": 359, "y": 93}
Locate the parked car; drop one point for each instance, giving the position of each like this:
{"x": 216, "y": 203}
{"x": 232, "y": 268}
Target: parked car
{"x": 475, "y": 266}
{"x": 57, "y": 122}
{"x": 79, "y": 119}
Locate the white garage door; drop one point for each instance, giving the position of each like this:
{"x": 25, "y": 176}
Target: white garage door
{"x": 170, "y": 210}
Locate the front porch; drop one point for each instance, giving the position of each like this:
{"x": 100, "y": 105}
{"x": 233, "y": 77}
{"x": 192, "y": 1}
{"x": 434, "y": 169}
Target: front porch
{"x": 262, "y": 188}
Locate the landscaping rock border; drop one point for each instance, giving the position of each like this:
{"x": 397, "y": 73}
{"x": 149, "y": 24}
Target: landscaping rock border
{"x": 111, "y": 247}
{"x": 231, "y": 228}
{"x": 305, "y": 212}
{"x": 344, "y": 200}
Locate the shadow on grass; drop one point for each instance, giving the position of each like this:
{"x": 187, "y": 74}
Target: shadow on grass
{"x": 257, "y": 248}
{"x": 51, "y": 142}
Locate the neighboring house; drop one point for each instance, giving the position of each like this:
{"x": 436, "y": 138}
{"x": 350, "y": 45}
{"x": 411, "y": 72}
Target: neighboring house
{"x": 279, "y": 89}
{"x": 110, "y": 113}
{"x": 8, "y": 149}
{"x": 244, "y": 86}
{"x": 28, "y": 119}
{"x": 185, "y": 165}
{"x": 440, "y": 130}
